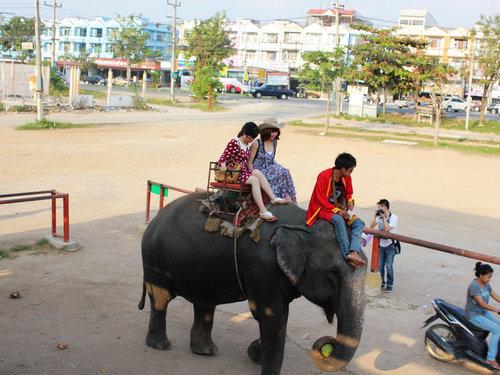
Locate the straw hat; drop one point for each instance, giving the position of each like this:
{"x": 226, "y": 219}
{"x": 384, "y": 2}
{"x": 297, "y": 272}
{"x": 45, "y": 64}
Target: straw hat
{"x": 271, "y": 123}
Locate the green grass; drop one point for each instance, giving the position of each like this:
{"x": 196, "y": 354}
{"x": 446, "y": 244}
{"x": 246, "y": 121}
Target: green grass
{"x": 4, "y": 254}
{"x": 203, "y": 106}
{"x": 46, "y": 124}
{"x": 17, "y": 248}
{"x": 421, "y": 140}
{"x": 95, "y": 93}
{"x": 447, "y": 123}
{"x": 159, "y": 101}
{"x": 20, "y": 248}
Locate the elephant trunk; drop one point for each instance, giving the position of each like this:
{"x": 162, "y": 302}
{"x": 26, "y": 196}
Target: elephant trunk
{"x": 333, "y": 353}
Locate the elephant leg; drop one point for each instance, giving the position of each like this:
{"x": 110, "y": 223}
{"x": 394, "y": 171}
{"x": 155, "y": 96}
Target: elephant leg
{"x": 254, "y": 351}
{"x": 201, "y": 332}
{"x": 271, "y": 346}
{"x": 157, "y": 332}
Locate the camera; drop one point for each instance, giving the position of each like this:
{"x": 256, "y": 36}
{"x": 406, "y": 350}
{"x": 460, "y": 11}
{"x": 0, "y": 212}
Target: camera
{"x": 380, "y": 213}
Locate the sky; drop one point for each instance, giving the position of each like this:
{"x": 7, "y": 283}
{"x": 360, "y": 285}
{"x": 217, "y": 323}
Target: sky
{"x": 448, "y": 13}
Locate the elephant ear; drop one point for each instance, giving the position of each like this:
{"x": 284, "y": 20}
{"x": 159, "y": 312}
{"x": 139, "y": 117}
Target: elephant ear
{"x": 290, "y": 253}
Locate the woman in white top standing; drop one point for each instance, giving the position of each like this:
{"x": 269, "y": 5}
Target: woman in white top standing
{"x": 238, "y": 149}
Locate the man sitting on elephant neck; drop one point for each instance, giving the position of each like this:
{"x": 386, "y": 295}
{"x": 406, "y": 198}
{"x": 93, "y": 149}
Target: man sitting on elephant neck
{"x": 331, "y": 200}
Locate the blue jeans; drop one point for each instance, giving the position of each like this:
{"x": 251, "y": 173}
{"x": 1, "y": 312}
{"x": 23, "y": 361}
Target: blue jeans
{"x": 339, "y": 227}
{"x": 492, "y": 324}
{"x": 386, "y": 260}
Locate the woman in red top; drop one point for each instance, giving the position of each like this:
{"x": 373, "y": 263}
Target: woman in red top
{"x": 238, "y": 149}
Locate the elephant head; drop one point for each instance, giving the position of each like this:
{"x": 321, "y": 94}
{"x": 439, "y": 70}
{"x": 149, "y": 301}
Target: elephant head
{"x": 313, "y": 263}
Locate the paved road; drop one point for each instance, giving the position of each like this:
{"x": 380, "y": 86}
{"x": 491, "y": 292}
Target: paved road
{"x": 315, "y": 103}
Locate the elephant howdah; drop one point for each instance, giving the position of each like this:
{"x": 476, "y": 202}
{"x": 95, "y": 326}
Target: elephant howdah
{"x": 181, "y": 259}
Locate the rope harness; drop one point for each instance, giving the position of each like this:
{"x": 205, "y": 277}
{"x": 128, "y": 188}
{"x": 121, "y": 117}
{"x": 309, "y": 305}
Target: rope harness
{"x": 235, "y": 253}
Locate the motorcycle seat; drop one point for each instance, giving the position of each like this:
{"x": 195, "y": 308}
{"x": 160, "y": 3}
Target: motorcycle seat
{"x": 459, "y": 313}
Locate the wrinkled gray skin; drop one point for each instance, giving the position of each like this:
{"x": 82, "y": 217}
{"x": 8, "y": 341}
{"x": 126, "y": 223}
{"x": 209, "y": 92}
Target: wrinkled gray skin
{"x": 181, "y": 259}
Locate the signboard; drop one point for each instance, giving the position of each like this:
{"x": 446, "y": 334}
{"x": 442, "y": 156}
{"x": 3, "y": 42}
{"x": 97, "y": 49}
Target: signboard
{"x": 27, "y": 45}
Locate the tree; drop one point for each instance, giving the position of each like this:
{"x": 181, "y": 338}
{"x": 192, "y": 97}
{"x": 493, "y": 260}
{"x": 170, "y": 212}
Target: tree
{"x": 321, "y": 69}
{"x": 434, "y": 74}
{"x": 384, "y": 60}
{"x": 487, "y": 55}
{"x": 209, "y": 44}
{"x": 131, "y": 42}
{"x": 14, "y": 32}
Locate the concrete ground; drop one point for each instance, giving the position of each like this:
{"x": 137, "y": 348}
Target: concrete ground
{"x": 88, "y": 299}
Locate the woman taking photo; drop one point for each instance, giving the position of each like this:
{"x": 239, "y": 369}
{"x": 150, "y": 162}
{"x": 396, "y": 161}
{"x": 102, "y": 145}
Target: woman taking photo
{"x": 262, "y": 157}
{"x": 238, "y": 149}
{"x": 479, "y": 312}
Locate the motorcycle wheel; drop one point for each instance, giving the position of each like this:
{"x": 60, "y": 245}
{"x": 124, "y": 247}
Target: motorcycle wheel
{"x": 446, "y": 334}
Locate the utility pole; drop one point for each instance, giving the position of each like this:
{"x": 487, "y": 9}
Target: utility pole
{"x": 38, "y": 67}
{"x": 337, "y": 45}
{"x": 54, "y": 6}
{"x": 173, "y": 59}
{"x": 469, "y": 86}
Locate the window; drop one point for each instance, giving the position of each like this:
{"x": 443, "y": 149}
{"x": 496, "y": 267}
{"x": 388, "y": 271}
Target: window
{"x": 404, "y": 22}
{"x": 435, "y": 42}
{"x": 249, "y": 37}
{"x": 159, "y": 37}
{"x": 313, "y": 38}
{"x": 96, "y": 33}
{"x": 250, "y": 55}
{"x": 112, "y": 32}
{"x": 459, "y": 43}
{"x": 270, "y": 38}
{"x": 290, "y": 55}
{"x": 64, "y": 31}
{"x": 47, "y": 46}
{"x": 270, "y": 56}
{"x": 417, "y": 22}
{"x": 64, "y": 46}
{"x": 97, "y": 47}
{"x": 79, "y": 47}
{"x": 292, "y": 37}
{"x": 80, "y": 31}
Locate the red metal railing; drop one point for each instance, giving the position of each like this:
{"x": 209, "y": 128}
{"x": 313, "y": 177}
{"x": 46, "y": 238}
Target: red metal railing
{"x": 418, "y": 242}
{"x": 162, "y": 188}
{"x": 54, "y": 195}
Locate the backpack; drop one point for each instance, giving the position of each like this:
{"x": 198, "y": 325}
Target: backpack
{"x": 397, "y": 246}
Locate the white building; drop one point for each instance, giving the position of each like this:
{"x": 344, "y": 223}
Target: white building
{"x": 278, "y": 46}
{"x": 77, "y": 35}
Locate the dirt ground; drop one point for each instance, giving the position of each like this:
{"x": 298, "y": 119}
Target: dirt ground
{"x": 88, "y": 299}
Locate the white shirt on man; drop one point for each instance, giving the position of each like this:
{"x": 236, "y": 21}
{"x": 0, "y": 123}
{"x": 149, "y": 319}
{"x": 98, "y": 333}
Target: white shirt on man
{"x": 392, "y": 221}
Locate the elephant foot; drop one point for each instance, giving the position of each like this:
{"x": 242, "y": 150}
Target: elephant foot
{"x": 204, "y": 348}
{"x": 160, "y": 342}
{"x": 254, "y": 351}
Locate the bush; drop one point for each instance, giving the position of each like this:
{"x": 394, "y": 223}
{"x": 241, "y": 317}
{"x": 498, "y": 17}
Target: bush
{"x": 204, "y": 78}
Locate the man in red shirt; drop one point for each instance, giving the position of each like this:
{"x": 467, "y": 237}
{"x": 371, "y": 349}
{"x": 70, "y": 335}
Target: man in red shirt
{"x": 331, "y": 200}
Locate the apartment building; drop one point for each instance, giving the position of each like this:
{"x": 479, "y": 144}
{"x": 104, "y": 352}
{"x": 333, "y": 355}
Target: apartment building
{"x": 278, "y": 46}
{"x": 452, "y": 46}
{"x": 77, "y": 35}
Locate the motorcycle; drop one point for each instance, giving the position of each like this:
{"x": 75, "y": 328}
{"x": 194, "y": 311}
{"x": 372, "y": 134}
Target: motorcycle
{"x": 457, "y": 339}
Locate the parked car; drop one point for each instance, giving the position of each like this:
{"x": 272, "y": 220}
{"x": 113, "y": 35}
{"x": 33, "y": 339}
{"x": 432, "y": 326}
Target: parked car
{"x": 60, "y": 75}
{"x": 95, "y": 80}
{"x": 494, "y": 108}
{"x": 475, "y": 106}
{"x": 120, "y": 81}
{"x": 234, "y": 89}
{"x": 454, "y": 104}
{"x": 271, "y": 90}
{"x": 405, "y": 103}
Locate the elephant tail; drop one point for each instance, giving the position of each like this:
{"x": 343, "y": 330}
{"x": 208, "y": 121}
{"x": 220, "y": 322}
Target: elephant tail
{"x": 143, "y": 298}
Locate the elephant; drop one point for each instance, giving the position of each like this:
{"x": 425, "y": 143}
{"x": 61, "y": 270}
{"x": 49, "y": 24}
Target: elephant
{"x": 291, "y": 260}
